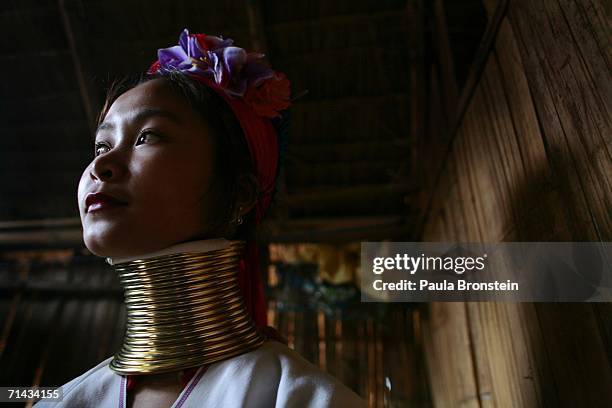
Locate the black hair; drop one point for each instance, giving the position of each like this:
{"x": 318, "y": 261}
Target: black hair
{"x": 232, "y": 157}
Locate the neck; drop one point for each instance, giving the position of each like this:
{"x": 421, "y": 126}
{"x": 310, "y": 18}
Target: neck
{"x": 184, "y": 309}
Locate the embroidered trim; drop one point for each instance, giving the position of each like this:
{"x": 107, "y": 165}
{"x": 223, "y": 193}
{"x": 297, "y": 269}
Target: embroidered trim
{"x": 122, "y": 393}
{"x": 191, "y": 386}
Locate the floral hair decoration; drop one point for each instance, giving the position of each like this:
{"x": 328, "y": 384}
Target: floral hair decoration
{"x": 259, "y": 98}
{"x": 236, "y": 72}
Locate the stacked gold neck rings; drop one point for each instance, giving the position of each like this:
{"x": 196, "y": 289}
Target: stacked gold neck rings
{"x": 183, "y": 310}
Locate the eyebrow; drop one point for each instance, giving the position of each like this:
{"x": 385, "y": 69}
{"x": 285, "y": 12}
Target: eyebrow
{"x": 141, "y": 115}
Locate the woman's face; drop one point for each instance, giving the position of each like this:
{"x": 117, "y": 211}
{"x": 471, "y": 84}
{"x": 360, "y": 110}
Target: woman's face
{"x": 155, "y": 154}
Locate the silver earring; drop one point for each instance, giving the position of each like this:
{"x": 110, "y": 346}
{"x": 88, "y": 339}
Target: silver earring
{"x": 239, "y": 220}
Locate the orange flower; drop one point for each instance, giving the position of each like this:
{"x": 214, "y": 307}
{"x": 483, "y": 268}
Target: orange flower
{"x": 270, "y": 97}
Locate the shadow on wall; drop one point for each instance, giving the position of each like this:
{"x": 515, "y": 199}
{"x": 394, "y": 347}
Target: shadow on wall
{"x": 569, "y": 345}
{"x": 547, "y": 209}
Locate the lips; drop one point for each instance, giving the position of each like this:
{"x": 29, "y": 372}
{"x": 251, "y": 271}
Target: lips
{"x": 100, "y": 201}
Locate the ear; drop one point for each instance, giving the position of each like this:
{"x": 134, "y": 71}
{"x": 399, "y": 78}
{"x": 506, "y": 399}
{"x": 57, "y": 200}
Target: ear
{"x": 248, "y": 189}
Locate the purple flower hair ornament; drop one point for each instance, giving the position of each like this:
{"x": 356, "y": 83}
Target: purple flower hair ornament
{"x": 230, "y": 68}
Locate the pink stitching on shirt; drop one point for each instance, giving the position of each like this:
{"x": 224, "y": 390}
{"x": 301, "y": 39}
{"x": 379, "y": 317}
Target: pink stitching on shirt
{"x": 191, "y": 386}
{"x": 122, "y": 393}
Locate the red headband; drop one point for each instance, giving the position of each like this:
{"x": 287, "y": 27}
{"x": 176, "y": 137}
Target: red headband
{"x": 262, "y": 140}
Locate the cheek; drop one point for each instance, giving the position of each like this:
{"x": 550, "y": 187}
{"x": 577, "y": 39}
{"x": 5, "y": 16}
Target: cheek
{"x": 175, "y": 183}
{"x": 82, "y": 188}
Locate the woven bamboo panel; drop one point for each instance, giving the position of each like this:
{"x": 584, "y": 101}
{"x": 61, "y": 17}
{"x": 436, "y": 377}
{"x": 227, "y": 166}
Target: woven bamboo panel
{"x": 530, "y": 161}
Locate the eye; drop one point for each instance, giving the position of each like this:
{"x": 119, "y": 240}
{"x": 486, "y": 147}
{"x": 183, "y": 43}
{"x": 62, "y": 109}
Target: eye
{"x": 99, "y": 146}
{"x": 146, "y": 135}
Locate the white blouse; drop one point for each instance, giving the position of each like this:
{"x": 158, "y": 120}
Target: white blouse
{"x": 273, "y": 375}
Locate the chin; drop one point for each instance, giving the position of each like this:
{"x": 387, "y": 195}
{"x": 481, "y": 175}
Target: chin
{"x": 107, "y": 245}
{"x": 100, "y": 248}
{"x": 120, "y": 244}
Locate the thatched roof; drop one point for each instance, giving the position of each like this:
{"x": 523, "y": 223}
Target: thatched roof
{"x": 349, "y": 159}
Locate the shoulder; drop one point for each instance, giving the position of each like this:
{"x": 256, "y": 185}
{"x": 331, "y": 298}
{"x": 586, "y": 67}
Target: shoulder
{"x": 304, "y": 384}
{"x": 93, "y": 386}
{"x": 281, "y": 376}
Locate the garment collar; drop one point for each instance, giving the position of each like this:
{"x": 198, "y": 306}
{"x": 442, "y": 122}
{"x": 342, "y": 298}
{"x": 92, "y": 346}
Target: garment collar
{"x": 202, "y": 245}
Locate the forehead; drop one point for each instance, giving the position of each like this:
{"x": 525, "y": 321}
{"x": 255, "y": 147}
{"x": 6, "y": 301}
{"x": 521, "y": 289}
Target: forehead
{"x": 155, "y": 94}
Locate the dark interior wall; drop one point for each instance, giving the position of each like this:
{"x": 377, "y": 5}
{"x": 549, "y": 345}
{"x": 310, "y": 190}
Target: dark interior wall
{"x": 530, "y": 161}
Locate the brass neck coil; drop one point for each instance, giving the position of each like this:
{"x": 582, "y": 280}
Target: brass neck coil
{"x": 183, "y": 310}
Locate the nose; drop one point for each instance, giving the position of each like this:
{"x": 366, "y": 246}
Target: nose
{"x": 107, "y": 167}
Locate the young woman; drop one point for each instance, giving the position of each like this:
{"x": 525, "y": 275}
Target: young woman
{"x": 185, "y": 167}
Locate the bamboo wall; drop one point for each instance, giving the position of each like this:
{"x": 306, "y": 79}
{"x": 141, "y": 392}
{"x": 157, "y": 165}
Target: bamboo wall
{"x": 531, "y": 160}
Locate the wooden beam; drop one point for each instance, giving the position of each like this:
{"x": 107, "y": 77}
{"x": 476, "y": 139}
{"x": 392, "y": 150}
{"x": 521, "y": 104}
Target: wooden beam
{"x": 52, "y": 238}
{"x": 90, "y": 104}
{"x": 340, "y": 20}
{"x": 356, "y": 99}
{"x": 256, "y": 26}
{"x": 475, "y": 74}
{"x": 343, "y": 230}
{"x": 59, "y": 126}
{"x": 42, "y": 223}
{"x": 339, "y": 222}
{"x": 380, "y": 149}
{"x": 445, "y": 57}
{"x": 417, "y": 87}
{"x": 50, "y": 232}
{"x": 63, "y": 290}
{"x": 348, "y": 194}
